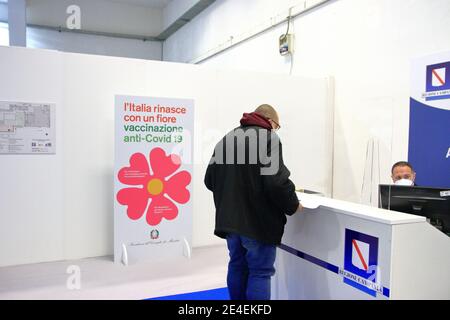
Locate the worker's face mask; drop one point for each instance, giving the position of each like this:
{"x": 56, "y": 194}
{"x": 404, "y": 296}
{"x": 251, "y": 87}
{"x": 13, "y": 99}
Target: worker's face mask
{"x": 404, "y": 182}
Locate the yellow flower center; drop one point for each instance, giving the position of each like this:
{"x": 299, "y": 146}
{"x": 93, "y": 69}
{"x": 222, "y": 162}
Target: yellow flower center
{"x": 155, "y": 187}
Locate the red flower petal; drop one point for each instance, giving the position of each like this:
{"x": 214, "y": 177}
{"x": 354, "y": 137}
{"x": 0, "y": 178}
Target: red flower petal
{"x": 136, "y": 199}
{"x": 163, "y": 165}
{"x": 159, "y": 208}
{"x": 138, "y": 171}
{"x": 176, "y": 187}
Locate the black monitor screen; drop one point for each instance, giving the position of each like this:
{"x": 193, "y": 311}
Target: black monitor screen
{"x": 432, "y": 203}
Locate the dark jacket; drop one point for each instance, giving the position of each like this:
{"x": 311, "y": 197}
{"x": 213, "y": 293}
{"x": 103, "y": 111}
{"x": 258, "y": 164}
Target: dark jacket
{"x": 247, "y": 202}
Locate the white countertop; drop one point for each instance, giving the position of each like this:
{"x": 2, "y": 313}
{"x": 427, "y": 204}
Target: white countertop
{"x": 312, "y": 202}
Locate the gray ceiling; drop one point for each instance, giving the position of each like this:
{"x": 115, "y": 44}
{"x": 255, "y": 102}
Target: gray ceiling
{"x": 148, "y": 3}
{"x": 107, "y": 29}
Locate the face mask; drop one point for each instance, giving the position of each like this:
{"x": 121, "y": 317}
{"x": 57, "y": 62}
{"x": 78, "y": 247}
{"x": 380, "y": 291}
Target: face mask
{"x": 404, "y": 182}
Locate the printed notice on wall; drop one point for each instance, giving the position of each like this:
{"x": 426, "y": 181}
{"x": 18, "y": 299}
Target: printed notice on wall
{"x": 27, "y": 128}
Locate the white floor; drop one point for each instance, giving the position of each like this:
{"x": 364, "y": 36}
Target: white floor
{"x": 102, "y": 279}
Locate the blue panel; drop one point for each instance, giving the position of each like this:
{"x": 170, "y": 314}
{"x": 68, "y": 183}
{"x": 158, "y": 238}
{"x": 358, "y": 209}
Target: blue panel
{"x": 429, "y": 141}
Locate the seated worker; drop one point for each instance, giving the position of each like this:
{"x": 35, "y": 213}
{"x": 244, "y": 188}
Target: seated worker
{"x": 403, "y": 174}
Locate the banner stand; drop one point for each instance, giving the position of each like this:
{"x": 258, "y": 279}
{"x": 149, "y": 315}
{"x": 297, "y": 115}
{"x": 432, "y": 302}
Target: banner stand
{"x": 186, "y": 248}
{"x": 124, "y": 255}
{"x": 153, "y": 178}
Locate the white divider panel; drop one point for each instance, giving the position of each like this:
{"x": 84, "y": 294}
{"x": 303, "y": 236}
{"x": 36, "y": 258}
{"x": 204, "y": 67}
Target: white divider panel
{"x": 61, "y": 206}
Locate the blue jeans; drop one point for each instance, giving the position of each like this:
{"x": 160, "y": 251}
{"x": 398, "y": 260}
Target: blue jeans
{"x": 250, "y": 268}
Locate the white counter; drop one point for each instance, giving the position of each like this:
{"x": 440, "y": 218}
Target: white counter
{"x": 341, "y": 250}
{"x": 358, "y": 210}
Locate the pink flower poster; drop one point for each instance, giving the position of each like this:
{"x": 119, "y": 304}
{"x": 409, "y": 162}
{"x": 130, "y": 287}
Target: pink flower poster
{"x": 152, "y": 178}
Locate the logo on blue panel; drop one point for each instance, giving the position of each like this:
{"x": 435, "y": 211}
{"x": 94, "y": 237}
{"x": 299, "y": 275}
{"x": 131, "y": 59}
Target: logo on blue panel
{"x": 437, "y": 82}
{"x": 361, "y": 269}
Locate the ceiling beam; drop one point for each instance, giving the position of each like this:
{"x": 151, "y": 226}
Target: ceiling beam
{"x": 96, "y": 33}
{"x": 190, "y": 14}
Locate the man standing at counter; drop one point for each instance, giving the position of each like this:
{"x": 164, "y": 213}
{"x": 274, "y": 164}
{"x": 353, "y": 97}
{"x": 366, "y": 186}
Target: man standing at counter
{"x": 252, "y": 194}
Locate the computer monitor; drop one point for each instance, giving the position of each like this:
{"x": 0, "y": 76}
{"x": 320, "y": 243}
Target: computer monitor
{"x": 432, "y": 203}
